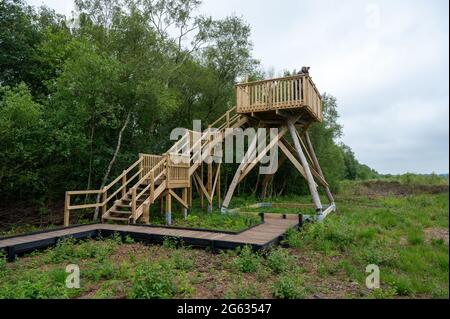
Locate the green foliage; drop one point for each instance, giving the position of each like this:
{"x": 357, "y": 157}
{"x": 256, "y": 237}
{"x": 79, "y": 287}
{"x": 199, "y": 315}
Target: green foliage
{"x": 155, "y": 281}
{"x": 293, "y": 238}
{"x": 379, "y": 231}
{"x": 417, "y": 179}
{"x": 36, "y": 284}
{"x": 243, "y": 291}
{"x": 289, "y": 286}
{"x": 383, "y": 293}
{"x": 353, "y": 169}
{"x": 247, "y": 261}
{"x": 279, "y": 260}
{"x": 214, "y": 220}
{"x": 69, "y": 250}
{"x": 329, "y": 235}
{"x": 181, "y": 260}
{"x": 2, "y": 262}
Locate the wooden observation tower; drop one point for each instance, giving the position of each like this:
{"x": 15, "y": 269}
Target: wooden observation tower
{"x": 290, "y": 104}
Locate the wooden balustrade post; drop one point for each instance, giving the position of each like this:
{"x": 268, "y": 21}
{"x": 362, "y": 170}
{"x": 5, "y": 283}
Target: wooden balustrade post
{"x": 133, "y": 205}
{"x": 104, "y": 203}
{"x": 152, "y": 186}
{"x": 190, "y": 193}
{"x": 66, "y": 209}
{"x": 141, "y": 165}
{"x": 124, "y": 183}
{"x": 168, "y": 171}
{"x": 147, "y": 213}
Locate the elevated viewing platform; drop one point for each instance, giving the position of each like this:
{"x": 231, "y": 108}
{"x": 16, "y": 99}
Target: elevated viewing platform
{"x": 297, "y": 94}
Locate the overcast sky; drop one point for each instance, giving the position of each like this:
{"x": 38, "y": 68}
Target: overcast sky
{"x": 386, "y": 62}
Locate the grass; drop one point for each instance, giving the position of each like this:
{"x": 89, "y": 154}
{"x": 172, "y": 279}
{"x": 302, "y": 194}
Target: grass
{"x": 214, "y": 220}
{"x": 325, "y": 260}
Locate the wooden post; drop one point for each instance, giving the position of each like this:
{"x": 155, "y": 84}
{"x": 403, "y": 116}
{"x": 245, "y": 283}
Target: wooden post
{"x": 147, "y": 213}
{"x": 319, "y": 170}
{"x": 152, "y": 186}
{"x": 304, "y": 162}
{"x": 124, "y": 182}
{"x": 190, "y": 193}
{"x": 104, "y": 203}
{"x": 168, "y": 208}
{"x": 66, "y": 209}
{"x": 185, "y": 199}
{"x": 141, "y": 165}
{"x": 133, "y": 205}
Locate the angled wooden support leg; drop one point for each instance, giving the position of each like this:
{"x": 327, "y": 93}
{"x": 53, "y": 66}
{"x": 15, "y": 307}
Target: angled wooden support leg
{"x": 218, "y": 186}
{"x": 319, "y": 170}
{"x": 237, "y": 175}
{"x": 311, "y": 183}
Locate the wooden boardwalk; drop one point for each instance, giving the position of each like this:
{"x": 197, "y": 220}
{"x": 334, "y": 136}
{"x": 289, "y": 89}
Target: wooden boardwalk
{"x": 259, "y": 237}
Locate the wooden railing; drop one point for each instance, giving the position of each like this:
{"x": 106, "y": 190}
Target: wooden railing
{"x": 148, "y": 162}
{"x": 147, "y": 194}
{"x": 148, "y": 177}
{"x": 115, "y": 190}
{"x": 281, "y": 93}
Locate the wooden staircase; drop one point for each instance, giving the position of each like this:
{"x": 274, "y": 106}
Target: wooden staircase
{"x": 128, "y": 197}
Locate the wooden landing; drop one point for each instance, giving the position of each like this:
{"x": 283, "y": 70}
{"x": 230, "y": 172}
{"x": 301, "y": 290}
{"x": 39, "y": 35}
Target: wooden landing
{"x": 259, "y": 237}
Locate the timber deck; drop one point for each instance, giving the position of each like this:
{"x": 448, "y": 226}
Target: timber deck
{"x": 262, "y": 236}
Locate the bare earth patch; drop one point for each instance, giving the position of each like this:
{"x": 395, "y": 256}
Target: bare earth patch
{"x": 436, "y": 234}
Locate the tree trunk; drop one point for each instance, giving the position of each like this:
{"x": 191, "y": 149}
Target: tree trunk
{"x": 91, "y": 155}
{"x": 113, "y": 160}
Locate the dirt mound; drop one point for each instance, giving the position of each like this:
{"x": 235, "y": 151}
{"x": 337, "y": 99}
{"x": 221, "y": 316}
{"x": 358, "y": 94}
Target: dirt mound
{"x": 392, "y": 188}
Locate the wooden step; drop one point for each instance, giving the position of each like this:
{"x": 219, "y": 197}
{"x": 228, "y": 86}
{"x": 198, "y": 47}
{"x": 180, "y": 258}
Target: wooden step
{"x": 128, "y": 200}
{"x": 120, "y": 212}
{"x": 117, "y": 218}
{"x": 122, "y": 205}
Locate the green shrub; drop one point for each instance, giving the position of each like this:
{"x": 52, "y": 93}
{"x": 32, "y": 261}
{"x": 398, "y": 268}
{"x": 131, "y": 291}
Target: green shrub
{"x": 100, "y": 271}
{"x": 214, "y": 220}
{"x": 153, "y": 281}
{"x": 247, "y": 261}
{"x": 289, "y": 286}
{"x": 129, "y": 240}
{"x": 415, "y": 238}
{"x": 243, "y": 291}
{"x": 279, "y": 260}
{"x": 383, "y": 293}
{"x": 329, "y": 235}
{"x": 293, "y": 238}
{"x": 181, "y": 260}
{"x": 70, "y": 250}
{"x": 38, "y": 284}
{"x": 170, "y": 242}
{"x": 2, "y": 262}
